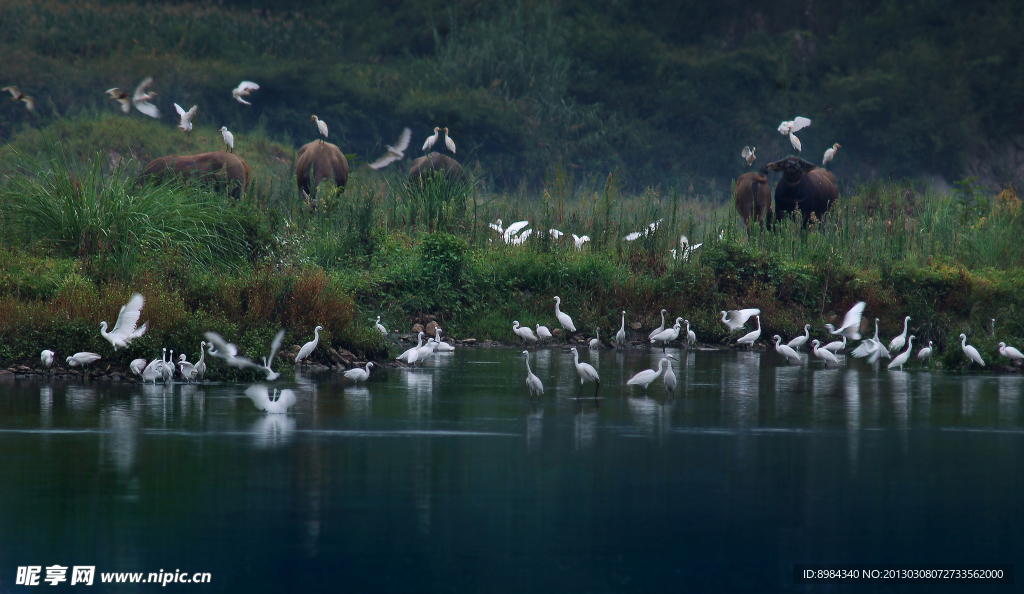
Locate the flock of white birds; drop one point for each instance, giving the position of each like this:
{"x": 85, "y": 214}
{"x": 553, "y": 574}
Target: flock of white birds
{"x": 789, "y": 129}
{"x": 517, "y": 233}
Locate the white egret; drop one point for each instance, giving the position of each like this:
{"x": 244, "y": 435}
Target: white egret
{"x": 800, "y": 341}
{"x": 424, "y": 352}
{"x": 851, "y": 323}
{"x": 971, "y": 352}
{"x": 201, "y": 363}
{"x": 152, "y": 371}
{"x": 670, "y": 378}
{"x": 124, "y": 329}
{"x": 563, "y": 318}
{"x": 632, "y": 236}
{"x": 186, "y": 369}
{"x": 595, "y": 343}
{"x": 668, "y": 335}
{"x": 555, "y": 233}
{"x": 321, "y": 126}
{"x": 121, "y": 97}
{"x": 620, "y": 336}
{"x": 736, "y": 318}
{"x": 227, "y": 351}
{"x": 410, "y": 355}
{"x": 784, "y": 349}
{"x": 359, "y": 375}
{"x": 448, "y": 142}
{"x": 900, "y": 359}
{"x": 380, "y": 327}
{"x": 496, "y": 226}
{"x": 925, "y": 353}
{"x": 137, "y": 366}
{"x": 523, "y": 332}
{"x": 685, "y": 248}
{"x": 308, "y": 348}
{"x": 881, "y": 351}
{"x": 824, "y": 354}
{"x": 186, "y": 117}
{"x": 521, "y": 238}
{"x": 443, "y": 346}
{"x": 82, "y": 359}
{"x": 268, "y": 361}
{"x": 260, "y": 396}
{"x": 430, "y": 143}
{"x": 691, "y": 336}
{"x": 141, "y": 99}
{"x": 751, "y": 337}
{"x": 513, "y": 229}
{"x": 647, "y": 376}
{"x": 791, "y": 127}
{"x": 395, "y": 153}
{"x": 229, "y": 138}
{"x": 533, "y": 382}
{"x": 579, "y": 241}
{"x": 659, "y": 329}
{"x": 242, "y": 90}
{"x": 836, "y": 346}
{"x": 830, "y": 154}
{"x": 1010, "y": 353}
{"x": 47, "y": 357}
{"x": 543, "y": 332}
{"x": 17, "y": 95}
{"x": 898, "y": 342}
{"x": 586, "y": 373}
{"x": 167, "y": 369}
{"x": 748, "y": 155}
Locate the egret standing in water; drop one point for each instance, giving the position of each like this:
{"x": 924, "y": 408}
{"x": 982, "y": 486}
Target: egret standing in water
{"x": 563, "y": 318}
{"x": 533, "y": 382}
{"x": 691, "y": 336}
{"x": 659, "y": 329}
{"x": 1010, "y": 353}
{"x": 898, "y": 342}
{"x": 595, "y": 343}
{"x": 925, "y": 353}
{"x": 523, "y": 332}
{"x": 543, "y": 332}
{"x": 647, "y": 376}
{"x": 751, "y": 337}
{"x": 901, "y": 359}
{"x": 823, "y": 354}
{"x": 359, "y": 375}
{"x": 587, "y": 373}
{"x": 799, "y": 341}
{"x": 201, "y": 363}
{"x": 667, "y": 336}
{"x": 620, "y": 336}
{"x": 785, "y": 350}
{"x": 321, "y": 126}
{"x": 971, "y": 352}
{"x": 670, "y": 378}
{"x": 47, "y": 357}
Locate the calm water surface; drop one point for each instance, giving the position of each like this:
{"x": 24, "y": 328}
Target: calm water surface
{"x": 449, "y": 479}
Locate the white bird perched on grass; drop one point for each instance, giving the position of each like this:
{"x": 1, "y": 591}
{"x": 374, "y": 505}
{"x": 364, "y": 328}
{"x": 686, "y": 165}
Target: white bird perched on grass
{"x": 851, "y": 323}
{"x": 512, "y": 229}
{"x": 201, "y": 363}
{"x": 137, "y": 366}
{"x": 620, "y": 336}
{"x": 555, "y": 233}
{"x": 227, "y": 351}
{"x": 443, "y": 346}
{"x": 521, "y": 238}
{"x": 836, "y": 346}
{"x": 260, "y": 396}
{"x": 898, "y": 342}
{"x": 748, "y": 155}
{"x": 685, "y": 249}
{"x": 830, "y": 154}
{"x": 632, "y": 236}
{"x": 523, "y": 332}
{"x": 563, "y": 318}
{"x": 448, "y": 142}
{"x": 901, "y": 359}
{"x": 496, "y": 226}
{"x": 124, "y": 329}
{"x": 800, "y": 341}
{"x": 321, "y": 126}
{"x": 242, "y": 90}
{"x": 359, "y": 375}
{"x": 543, "y": 332}
{"x": 660, "y": 328}
{"x": 579, "y": 241}
{"x": 380, "y": 327}
{"x": 186, "y": 369}
{"x": 82, "y": 359}
{"x": 691, "y": 336}
{"x": 229, "y": 138}
{"x": 268, "y": 361}
{"x": 785, "y": 350}
{"x": 533, "y": 382}
{"x": 586, "y": 373}
{"x": 141, "y": 99}
{"x": 971, "y": 352}
{"x": 17, "y": 95}
{"x": 751, "y": 337}
{"x": 736, "y": 318}
{"x": 1010, "y": 353}
{"x": 47, "y": 357}
{"x": 395, "y": 153}
{"x": 186, "y": 117}
{"x": 308, "y": 348}
{"x": 430, "y": 143}
{"x": 595, "y": 343}
{"x": 411, "y": 355}
{"x": 791, "y": 127}
{"x": 925, "y": 353}
{"x": 824, "y": 354}
{"x": 647, "y": 376}
{"x": 668, "y": 335}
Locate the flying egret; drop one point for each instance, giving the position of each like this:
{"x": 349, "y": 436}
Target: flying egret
{"x": 186, "y": 117}
{"x": 836, "y": 346}
{"x": 395, "y": 153}
{"x": 524, "y": 332}
{"x": 242, "y": 90}
{"x": 229, "y": 138}
{"x": 533, "y": 382}
{"x": 647, "y": 376}
{"x": 900, "y": 359}
{"x": 321, "y": 126}
{"x": 380, "y": 327}
{"x": 137, "y": 366}
{"x": 260, "y": 396}
{"x": 121, "y": 97}
{"x": 308, "y": 348}
{"x": 881, "y": 351}
{"x": 359, "y": 375}
{"x": 17, "y": 95}
{"x": 751, "y": 337}
{"x": 670, "y": 378}
{"x": 124, "y": 329}
{"x": 925, "y": 353}
{"x": 799, "y": 341}
{"x": 1010, "y": 353}
{"x": 595, "y": 343}
{"x": 443, "y": 346}
{"x": 563, "y": 318}
{"x": 430, "y": 143}
{"x": 668, "y": 335}
{"x": 791, "y": 127}
{"x": 851, "y": 323}
{"x": 227, "y": 351}
{"x": 448, "y": 142}
{"x": 736, "y": 318}
{"x": 201, "y": 363}
{"x": 47, "y": 357}
{"x": 586, "y": 373}
{"x": 513, "y": 229}
{"x": 659, "y": 329}
{"x": 898, "y": 342}
{"x": 824, "y": 354}
{"x": 268, "y": 361}
{"x": 543, "y": 332}
{"x": 971, "y": 352}
{"x": 410, "y": 355}
{"x": 785, "y": 350}
{"x": 82, "y": 359}
{"x": 141, "y": 99}
{"x": 620, "y": 336}
{"x": 830, "y": 154}
{"x": 748, "y": 155}
{"x": 691, "y": 336}
{"x": 579, "y": 241}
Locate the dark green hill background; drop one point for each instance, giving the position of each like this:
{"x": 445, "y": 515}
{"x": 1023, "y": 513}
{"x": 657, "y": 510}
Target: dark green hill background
{"x": 667, "y": 92}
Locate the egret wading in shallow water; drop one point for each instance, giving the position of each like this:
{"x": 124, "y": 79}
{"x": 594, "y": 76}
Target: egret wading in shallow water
{"x": 647, "y": 376}
{"x": 411, "y": 355}
{"x": 620, "y": 336}
{"x": 851, "y": 323}
{"x": 137, "y": 366}
{"x": 595, "y": 343}
{"x": 1010, "y": 353}
{"x": 799, "y": 341}
{"x": 668, "y": 335}
{"x": 442, "y": 346}
{"x": 533, "y": 382}
{"x": 563, "y": 318}
{"x": 823, "y": 354}
{"x": 429, "y": 143}
{"x": 186, "y": 369}
{"x": 47, "y": 357}
{"x": 736, "y": 318}
{"x": 925, "y": 353}
{"x": 321, "y": 126}
{"x": 837, "y": 346}
{"x": 751, "y": 337}
{"x": 359, "y": 375}
{"x": 260, "y": 396}
{"x": 669, "y": 379}
{"x": 543, "y": 332}
{"x": 901, "y": 359}
{"x": 124, "y": 329}
{"x": 830, "y": 154}
{"x": 586, "y": 372}
{"x": 898, "y": 342}
{"x": 971, "y": 352}
{"x": 201, "y": 363}
{"x": 659, "y": 329}
{"x": 523, "y": 332}
{"x": 691, "y": 336}
{"x": 308, "y": 348}
{"x": 242, "y": 90}
{"x": 229, "y": 139}
{"x": 785, "y": 350}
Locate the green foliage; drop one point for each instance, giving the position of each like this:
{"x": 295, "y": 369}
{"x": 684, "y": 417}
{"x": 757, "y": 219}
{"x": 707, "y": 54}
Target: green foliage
{"x": 444, "y": 259}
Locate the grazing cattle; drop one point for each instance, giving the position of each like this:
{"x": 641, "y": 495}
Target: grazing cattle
{"x": 424, "y": 166}
{"x": 753, "y": 196}
{"x": 225, "y": 171}
{"x": 803, "y": 185}
{"x": 319, "y": 161}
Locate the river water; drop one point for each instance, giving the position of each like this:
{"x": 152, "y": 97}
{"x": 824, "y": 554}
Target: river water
{"x": 450, "y": 478}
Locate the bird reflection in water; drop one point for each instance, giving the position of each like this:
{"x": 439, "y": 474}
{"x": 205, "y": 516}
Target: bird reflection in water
{"x": 739, "y": 387}
{"x": 273, "y": 431}
{"x": 899, "y": 388}
{"x": 1009, "y": 399}
{"x": 585, "y": 426}
{"x": 80, "y": 398}
{"x": 652, "y": 416}
{"x": 534, "y": 426}
{"x": 419, "y": 386}
{"x": 970, "y": 395}
{"x": 357, "y": 401}
{"x": 45, "y": 406}
{"x": 852, "y": 402}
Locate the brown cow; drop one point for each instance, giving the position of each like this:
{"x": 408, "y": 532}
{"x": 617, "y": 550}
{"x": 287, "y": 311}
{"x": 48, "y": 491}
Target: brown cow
{"x": 319, "y": 161}
{"x": 805, "y": 186}
{"x": 753, "y": 196}
{"x": 226, "y": 172}
{"x": 424, "y": 166}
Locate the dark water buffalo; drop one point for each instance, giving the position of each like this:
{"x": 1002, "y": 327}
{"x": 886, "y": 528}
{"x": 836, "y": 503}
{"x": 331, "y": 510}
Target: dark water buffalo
{"x": 225, "y": 171}
{"x": 803, "y": 185}
{"x": 753, "y": 196}
{"x": 319, "y": 161}
{"x": 424, "y": 166}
